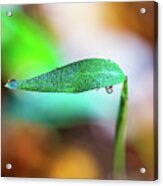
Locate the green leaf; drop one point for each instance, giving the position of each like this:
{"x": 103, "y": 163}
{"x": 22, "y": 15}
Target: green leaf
{"x": 76, "y": 77}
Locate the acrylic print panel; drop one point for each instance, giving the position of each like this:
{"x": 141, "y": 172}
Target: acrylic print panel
{"x": 79, "y": 90}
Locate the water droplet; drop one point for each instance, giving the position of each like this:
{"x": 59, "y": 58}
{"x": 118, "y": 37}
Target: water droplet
{"x": 9, "y": 13}
{"x": 109, "y": 89}
{"x": 108, "y": 59}
{"x": 11, "y": 84}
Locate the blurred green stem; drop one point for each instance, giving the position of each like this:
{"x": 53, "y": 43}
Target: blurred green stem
{"x": 119, "y": 146}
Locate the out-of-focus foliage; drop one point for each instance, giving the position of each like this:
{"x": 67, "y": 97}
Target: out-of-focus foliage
{"x": 27, "y": 47}
{"x": 61, "y": 109}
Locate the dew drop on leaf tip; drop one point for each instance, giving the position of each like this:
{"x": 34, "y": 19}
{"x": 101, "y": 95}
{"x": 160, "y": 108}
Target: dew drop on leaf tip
{"x": 11, "y": 84}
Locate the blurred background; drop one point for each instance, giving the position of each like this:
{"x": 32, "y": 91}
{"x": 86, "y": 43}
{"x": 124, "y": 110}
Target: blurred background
{"x": 67, "y": 135}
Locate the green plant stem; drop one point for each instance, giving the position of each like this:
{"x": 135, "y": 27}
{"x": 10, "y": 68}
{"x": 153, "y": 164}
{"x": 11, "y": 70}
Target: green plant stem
{"x": 119, "y": 146}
